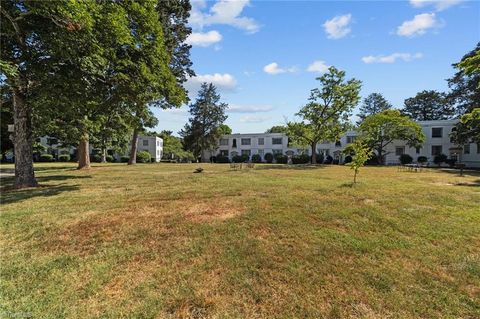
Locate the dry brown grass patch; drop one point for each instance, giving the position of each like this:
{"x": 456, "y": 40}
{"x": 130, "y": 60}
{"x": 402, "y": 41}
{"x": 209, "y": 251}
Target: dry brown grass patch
{"x": 215, "y": 209}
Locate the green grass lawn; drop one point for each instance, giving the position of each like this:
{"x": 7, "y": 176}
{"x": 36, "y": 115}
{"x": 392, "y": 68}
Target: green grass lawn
{"x": 157, "y": 241}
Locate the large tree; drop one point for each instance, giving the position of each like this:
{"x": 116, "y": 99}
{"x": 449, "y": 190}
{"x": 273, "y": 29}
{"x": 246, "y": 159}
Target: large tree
{"x": 428, "y": 106}
{"x": 468, "y": 128}
{"x": 326, "y": 116}
{"x": 465, "y": 84}
{"x": 373, "y": 104}
{"x": 381, "y": 129}
{"x": 201, "y": 133}
{"x": 277, "y": 129}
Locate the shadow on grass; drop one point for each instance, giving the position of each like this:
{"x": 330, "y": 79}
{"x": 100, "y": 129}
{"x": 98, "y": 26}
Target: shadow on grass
{"x": 12, "y": 195}
{"x": 4, "y": 170}
{"x": 456, "y": 171}
{"x": 290, "y": 167}
{"x": 475, "y": 183}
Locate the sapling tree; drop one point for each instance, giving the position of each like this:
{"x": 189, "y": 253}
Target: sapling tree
{"x": 360, "y": 152}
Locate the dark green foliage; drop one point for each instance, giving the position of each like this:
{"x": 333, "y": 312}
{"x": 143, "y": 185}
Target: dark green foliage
{"x": 439, "y": 159}
{"x": 336, "y": 161}
{"x": 46, "y": 158}
{"x": 143, "y": 157}
{"x": 373, "y": 160}
{"x": 97, "y": 158}
{"x": 320, "y": 158}
{"x": 64, "y": 158}
{"x": 213, "y": 159}
{"x": 222, "y": 159}
{"x": 373, "y": 104}
{"x": 280, "y": 158}
{"x": 301, "y": 159}
{"x": 451, "y": 162}
{"x": 124, "y": 159}
{"x": 428, "y": 106}
{"x": 256, "y": 158}
{"x": 405, "y": 159}
{"x": 110, "y": 158}
{"x": 240, "y": 159}
{"x": 328, "y": 160}
{"x": 348, "y": 159}
{"x": 268, "y": 157}
{"x": 277, "y": 129}
{"x": 422, "y": 159}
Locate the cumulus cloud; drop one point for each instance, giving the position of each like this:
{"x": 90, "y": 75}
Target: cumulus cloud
{"x": 439, "y": 5}
{"x": 223, "y": 82}
{"x": 273, "y": 69}
{"x": 392, "y": 58}
{"x": 338, "y": 26}
{"x": 253, "y": 119}
{"x": 318, "y": 66}
{"x": 204, "y": 39}
{"x": 235, "y": 108}
{"x": 418, "y": 25}
{"x": 227, "y": 12}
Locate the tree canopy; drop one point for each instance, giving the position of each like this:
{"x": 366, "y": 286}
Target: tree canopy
{"x": 373, "y": 104}
{"x": 428, "y": 106}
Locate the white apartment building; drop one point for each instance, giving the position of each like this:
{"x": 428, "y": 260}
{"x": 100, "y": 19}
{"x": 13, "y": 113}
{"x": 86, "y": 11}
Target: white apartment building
{"x": 151, "y": 144}
{"x": 437, "y": 142}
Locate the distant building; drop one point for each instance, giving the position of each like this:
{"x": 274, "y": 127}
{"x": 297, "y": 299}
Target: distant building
{"x": 437, "y": 142}
{"x": 151, "y": 144}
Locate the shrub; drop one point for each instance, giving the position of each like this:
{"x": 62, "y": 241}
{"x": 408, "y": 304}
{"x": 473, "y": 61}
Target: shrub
{"x": 336, "y": 161}
{"x": 222, "y": 159}
{"x": 451, "y": 162}
{"x": 320, "y": 158}
{"x": 268, "y": 157}
{"x": 143, "y": 157}
{"x": 213, "y": 159}
{"x": 439, "y": 159}
{"x": 256, "y": 158}
{"x": 280, "y": 158}
{"x": 124, "y": 159}
{"x": 373, "y": 160}
{"x": 110, "y": 159}
{"x": 64, "y": 158}
{"x": 348, "y": 159}
{"x": 301, "y": 159}
{"x": 405, "y": 159}
{"x": 153, "y": 160}
{"x": 97, "y": 158}
{"x": 328, "y": 160}
{"x": 240, "y": 158}
{"x": 422, "y": 159}
{"x": 46, "y": 158}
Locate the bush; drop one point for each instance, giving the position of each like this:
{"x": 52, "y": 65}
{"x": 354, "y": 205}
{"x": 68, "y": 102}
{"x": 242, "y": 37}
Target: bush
{"x": 348, "y": 159}
{"x": 451, "y": 162}
{"x": 97, "y": 158}
{"x": 110, "y": 159}
{"x": 373, "y": 160}
{"x": 213, "y": 159}
{"x": 153, "y": 160}
{"x": 320, "y": 158}
{"x": 328, "y": 160}
{"x": 256, "y": 158}
{"x": 280, "y": 158}
{"x": 222, "y": 159}
{"x": 143, "y": 157}
{"x": 46, "y": 158}
{"x": 64, "y": 158}
{"x": 301, "y": 159}
{"x": 405, "y": 159}
{"x": 124, "y": 159}
{"x": 439, "y": 159}
{"x": 336, "y": 161}
{"x": 422, "y": 159}
{"x": 240, "y": 158}
{"x": 268, "y": 157}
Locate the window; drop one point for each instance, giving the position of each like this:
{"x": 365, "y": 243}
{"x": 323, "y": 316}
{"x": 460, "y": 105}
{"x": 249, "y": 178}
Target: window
{"x": 436, "y": 150}
{"x": 246, "y": 141}
{"x": 224, "y": 141}
{"x": 246, "y": 152}
{"x": 417, "y": 150}
{"x": 277, "y": 141}
{"x": 338, "y": 143}
{"x": 261, "y": 141}
{"x": 145, "y": 142}
{"x": 399, "y": 150}
{"x": 277, "y": 152}
{"x": 224, "y": 153}
{"x": 350, "y": 139}
{"x": 466, "y": 149}
{"x": 437, "y": 131}
{"x": 234, "y": 144}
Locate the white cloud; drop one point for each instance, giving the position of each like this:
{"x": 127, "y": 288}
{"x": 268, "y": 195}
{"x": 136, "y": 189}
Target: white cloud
{"x": 204, "y": 39}
{"x": 273, "y": 68}
{"x": 439, "y": 5}
{"x": 337, "y": 27}
{"x": 392, "y": 58}
{"x": 318, "y": 66}
{"x": 253, "y": 119}
{"x": 226, "y": 12}
{"x": 223, "y": 82}
{"x": 234, "y": 108}
{"x": 418, "y": 26}
{"x": 179, "y": 111}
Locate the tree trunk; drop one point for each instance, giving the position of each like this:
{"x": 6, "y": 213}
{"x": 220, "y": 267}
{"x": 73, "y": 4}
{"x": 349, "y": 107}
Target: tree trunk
{"x": 104, "y": 154}
{"x": 133, "y": 150}
{"x": 380, "y": 156}
{"x": 314, "y": 153}
{"x": 355, "y": 177}
{"x": 84, "y": 152}
{"x": 23, "y": 142}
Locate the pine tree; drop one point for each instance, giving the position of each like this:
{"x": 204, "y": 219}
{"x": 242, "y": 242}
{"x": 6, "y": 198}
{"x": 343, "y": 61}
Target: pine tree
{"x": 428, "y": 106}
{"x": 373, "y": 104}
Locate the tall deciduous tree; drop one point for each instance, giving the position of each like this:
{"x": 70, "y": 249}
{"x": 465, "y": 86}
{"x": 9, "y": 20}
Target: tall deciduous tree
{"x": 428, "y": 106}
{"x": 201, "y": 133}
{"x": 373, "y": 104}
{"x": 326, "y": 116}
{"x": 465, "y": 84}
{"x": 381, "y": 129}
{"x": 277, "y": 129}
{"x": 468, "y": 129}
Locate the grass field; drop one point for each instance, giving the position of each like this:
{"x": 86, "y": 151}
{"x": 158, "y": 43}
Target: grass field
{"x": 157, "y": 241}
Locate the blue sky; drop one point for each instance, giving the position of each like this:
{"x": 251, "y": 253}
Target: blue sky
{"x": 264, "y": 56}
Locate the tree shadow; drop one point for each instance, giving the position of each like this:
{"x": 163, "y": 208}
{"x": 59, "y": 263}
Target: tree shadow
{"x": 475, "y": 183}
{"x": 12, "y": 195}
{"x": 456, "y": 171}
{"x": 290, "y": 167}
